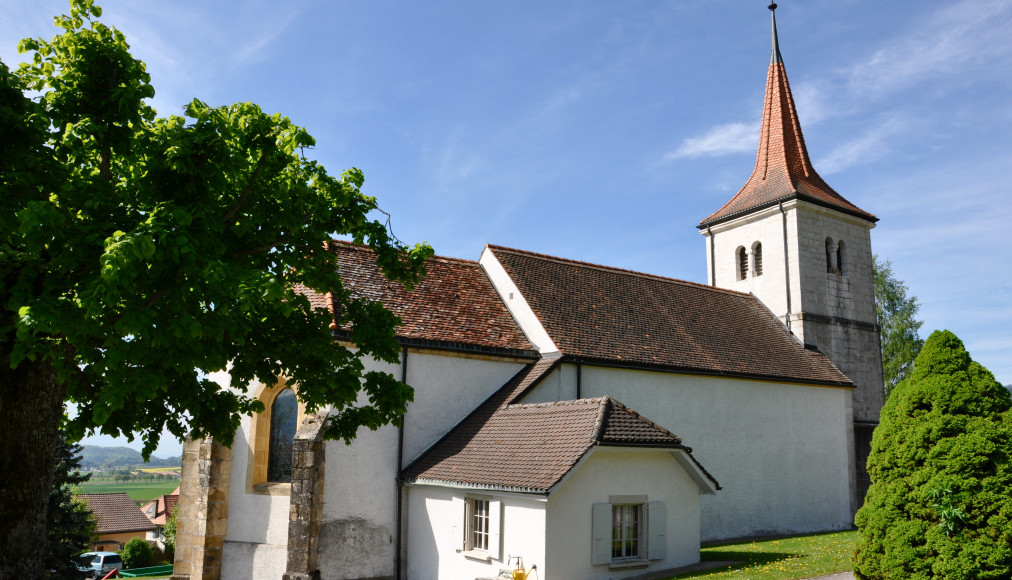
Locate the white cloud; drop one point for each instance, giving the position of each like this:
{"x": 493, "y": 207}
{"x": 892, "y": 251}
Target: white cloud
{"x": 968, "y": 33}
{"x": 720, "y": 140}
{"x": 871, "y": 147}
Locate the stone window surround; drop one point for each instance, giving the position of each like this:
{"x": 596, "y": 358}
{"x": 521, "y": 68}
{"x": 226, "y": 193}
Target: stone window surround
{"x": 259, "y": 441}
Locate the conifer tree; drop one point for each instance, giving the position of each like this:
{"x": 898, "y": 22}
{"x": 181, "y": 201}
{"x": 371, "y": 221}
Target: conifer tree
{"x": 69, "y": 522}
{"x": 940, "y": 502}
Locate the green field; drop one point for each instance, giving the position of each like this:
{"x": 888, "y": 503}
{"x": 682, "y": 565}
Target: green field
{"x": 137, "y": 490}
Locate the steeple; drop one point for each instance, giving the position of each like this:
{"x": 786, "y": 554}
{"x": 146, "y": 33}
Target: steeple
{"x": 783, "y": 169}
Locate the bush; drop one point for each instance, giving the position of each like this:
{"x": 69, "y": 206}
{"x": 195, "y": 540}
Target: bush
{"x": 137, "y": 554}
{"x": 940, "y": 502}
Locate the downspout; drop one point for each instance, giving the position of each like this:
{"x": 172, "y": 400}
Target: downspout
{"x": 398, "y": 564}
{"x": 579, "y": 381}
{"x": 787, "y": 267}
{"x": 713, "y": 262}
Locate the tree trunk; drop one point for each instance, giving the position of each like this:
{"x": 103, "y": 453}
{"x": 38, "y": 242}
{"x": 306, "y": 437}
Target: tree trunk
{"x": 31, "y": 406}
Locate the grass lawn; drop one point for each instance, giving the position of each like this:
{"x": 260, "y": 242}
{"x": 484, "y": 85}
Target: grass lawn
{"x": 138, "y": 490}
{"x": 784, "y": 558}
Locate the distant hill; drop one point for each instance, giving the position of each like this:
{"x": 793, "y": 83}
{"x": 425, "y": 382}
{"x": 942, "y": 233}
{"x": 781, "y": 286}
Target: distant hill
{"x": 97, "y": 457}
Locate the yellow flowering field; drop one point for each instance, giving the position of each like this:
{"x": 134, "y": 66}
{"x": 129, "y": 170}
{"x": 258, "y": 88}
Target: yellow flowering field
{"x": 783, "y": 558}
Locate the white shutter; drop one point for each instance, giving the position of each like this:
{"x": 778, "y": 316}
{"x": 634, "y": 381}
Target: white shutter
{"x": 494, "y": 528}
{"x": 459, "y": 519}
{"x": 657, "y": 536}
{"x": 601, "y": 533}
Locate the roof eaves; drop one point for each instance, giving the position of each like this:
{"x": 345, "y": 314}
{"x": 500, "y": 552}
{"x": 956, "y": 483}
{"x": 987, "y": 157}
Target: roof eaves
{"x": 478, "y": 486}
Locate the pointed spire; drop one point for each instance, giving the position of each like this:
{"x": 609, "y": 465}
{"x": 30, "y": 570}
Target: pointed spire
{"x": 783, "y": 169}
{"x": 775, "y": 56}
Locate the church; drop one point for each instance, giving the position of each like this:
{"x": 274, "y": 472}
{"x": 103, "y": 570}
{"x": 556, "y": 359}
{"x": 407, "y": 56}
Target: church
{"x": 595, "y": 422}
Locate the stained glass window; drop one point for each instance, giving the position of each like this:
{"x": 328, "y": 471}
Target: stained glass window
{"x": 284, "y": 412}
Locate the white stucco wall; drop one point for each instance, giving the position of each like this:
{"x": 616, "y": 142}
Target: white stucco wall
{"x": 435, "y": 518}
{"x": 359, "y": 528}
{"x": 781, "y": 452}
{"x": 256, "y": 543}
{"x": 654, "y": 474}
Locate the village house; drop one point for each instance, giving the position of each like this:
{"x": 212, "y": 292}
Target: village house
{"x": 574, "y": 414}
{"x": 118, "y": 520}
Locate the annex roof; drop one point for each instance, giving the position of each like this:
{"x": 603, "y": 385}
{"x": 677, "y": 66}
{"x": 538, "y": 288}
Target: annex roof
{"x": 116, "y": 512}
{"x": 529, "y": 448}
{"x": 453, "y": 305}
{"x": 783, "y": 170}
{"x": 619, "y": 317}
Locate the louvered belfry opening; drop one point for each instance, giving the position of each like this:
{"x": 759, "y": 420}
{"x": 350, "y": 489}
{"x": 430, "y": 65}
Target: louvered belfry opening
{"x": 742, "y": 264}
{"x": 757, "y": 254}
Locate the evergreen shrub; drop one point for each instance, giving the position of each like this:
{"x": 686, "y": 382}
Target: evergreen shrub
{"x": 940, "y": 502}
{"x": 137, "y": 553}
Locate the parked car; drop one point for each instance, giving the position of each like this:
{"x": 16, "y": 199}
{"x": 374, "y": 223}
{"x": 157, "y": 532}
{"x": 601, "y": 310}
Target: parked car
{"x": 98, "y": 564}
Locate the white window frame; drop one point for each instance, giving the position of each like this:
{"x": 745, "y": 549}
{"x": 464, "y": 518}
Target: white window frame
{"x": 627, "y": 540}
{"x": 472, "y": 546}
{"x": 651, "y": 532}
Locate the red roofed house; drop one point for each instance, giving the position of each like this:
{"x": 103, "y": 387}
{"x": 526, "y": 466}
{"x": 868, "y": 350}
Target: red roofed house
{"x": 548, "y": 396}
{"x": 119, "y": 520}
{"x": 158, "y": 511}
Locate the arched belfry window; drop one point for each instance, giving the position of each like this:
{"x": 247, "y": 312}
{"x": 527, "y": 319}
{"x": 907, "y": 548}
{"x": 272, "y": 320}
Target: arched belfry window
{"x": 284, "y": 412}
{"x": 830, "y": 256}
{"x": 841, "y": 258}
{"x": 742, "y": 256}
{"x": 757, "y": 258}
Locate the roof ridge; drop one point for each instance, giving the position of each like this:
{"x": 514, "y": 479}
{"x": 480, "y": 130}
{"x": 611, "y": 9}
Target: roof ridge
{"x": 603, "y": 268}
{"x": 562, "y": 403}
{"x": 364, "y": 248}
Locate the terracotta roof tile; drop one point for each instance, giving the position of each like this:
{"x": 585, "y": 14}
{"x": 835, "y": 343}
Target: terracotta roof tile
{"x": 783, "y": 169}
{"x": 453, "y": 304}
{"x": 530, "y": 448}
{"x": 163, "y": 506}
{"x": 116, "y": 512}
{"x": 615, "y": 316}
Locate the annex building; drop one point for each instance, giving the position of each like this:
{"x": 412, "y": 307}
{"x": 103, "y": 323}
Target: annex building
{"x": 598, "y": 422}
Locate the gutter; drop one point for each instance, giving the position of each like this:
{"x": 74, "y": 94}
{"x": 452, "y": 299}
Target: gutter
{"x": 398, "y": 563}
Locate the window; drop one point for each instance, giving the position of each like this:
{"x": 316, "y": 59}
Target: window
{"x": 841, "y": 258}
{"x": 742, "y": 263}
{"x": 757, "y": 258}
{"x": 829, "y": 256}
{"x": 478, "y": 526}
{"x": 625, "y": 531}
{"x": 284, "y": 412}
{"x": 482, "y": 525}
{"x": 272, "y": 437}
{"x": 628, "y": 531}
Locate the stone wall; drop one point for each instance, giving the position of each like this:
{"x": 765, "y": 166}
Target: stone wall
{"x": 306, "y": 511}
{"x": 202, "y": 520}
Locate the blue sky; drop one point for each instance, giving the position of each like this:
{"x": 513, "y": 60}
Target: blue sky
{"x": 604, "y": 131}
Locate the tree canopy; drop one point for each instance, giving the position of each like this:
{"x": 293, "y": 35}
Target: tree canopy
{"x": 139, "y": 254}
{"x": 896, "y": 316}
{"x": 940, "y": 502}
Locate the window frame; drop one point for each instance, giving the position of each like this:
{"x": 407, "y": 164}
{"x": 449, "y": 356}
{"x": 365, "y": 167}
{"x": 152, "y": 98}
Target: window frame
{"x": 492, "y": 519}
{"x": 652, "y": 531}
{"x": 257, "y": 481}
{"x": 635, "y": 545}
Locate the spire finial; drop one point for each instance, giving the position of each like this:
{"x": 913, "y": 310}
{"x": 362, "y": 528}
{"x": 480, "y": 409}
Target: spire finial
{"x": 775, "y": 56}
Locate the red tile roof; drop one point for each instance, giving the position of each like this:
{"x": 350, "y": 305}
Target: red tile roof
{"x": 613, "y": 316}
{"x": 116, "y": 512}
{"x": 454, "y": 304}
{"x": 783, "y": 169}
{"x": 530, "y": 448}
{"x": 163, "y": 506}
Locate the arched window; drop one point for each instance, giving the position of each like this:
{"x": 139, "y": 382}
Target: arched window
{"x": 284, "y": 412}
{"x": 841, "y": 258}
{"x": 742, "y": 263}
{"x": 757, "y": 258}
{"x": 829, "y": 256}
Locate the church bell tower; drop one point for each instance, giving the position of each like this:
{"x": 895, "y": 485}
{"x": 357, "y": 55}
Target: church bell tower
{"x": 805, "y": 251}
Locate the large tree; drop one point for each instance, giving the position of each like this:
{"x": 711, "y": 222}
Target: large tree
{"x": 139, "y": 254}
{"x": 940, "y": 502}
{"x": 896, "y": 314}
